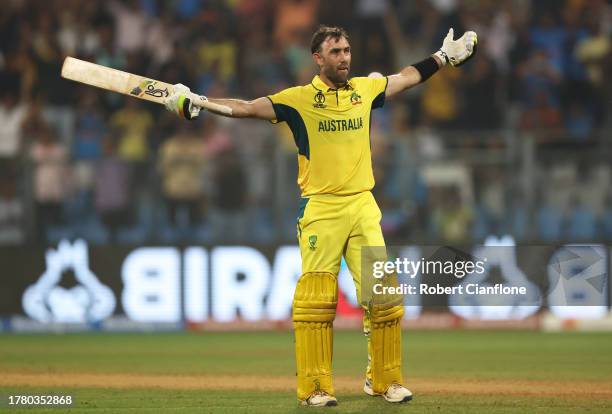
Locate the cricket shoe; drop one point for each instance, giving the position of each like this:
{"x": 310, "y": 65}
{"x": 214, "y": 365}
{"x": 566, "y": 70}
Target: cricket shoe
{"x": 396, "y": 393}
{"x": 320, "y": 399}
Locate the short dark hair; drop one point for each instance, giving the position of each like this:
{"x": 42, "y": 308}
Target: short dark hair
{"x": 323, "y": 32}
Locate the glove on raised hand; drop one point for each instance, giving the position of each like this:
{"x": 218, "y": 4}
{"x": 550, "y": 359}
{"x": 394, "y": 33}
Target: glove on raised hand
{"x": 457, "y": 52}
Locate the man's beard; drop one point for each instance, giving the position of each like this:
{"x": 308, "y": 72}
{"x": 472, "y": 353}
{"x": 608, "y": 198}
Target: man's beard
{"x": 337, "y": 77}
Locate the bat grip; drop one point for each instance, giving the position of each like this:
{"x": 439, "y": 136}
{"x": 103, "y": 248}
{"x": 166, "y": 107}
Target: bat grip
{"x": 203, "y": 102}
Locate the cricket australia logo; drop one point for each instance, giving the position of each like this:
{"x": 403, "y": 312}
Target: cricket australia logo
{"x": 312, "y": 242}
{"x": 88, "y": 301}
{"x": 319, "y": 99}
{"x": 355, "y": 98}
{"x": 147, "y": 87}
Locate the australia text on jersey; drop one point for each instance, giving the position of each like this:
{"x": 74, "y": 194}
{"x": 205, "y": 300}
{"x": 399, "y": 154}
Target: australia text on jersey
{"x": 340, "y": 125}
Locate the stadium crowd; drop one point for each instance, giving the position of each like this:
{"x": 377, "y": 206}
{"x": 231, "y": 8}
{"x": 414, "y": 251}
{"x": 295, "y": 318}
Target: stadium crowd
{"x": 522, "y": 130}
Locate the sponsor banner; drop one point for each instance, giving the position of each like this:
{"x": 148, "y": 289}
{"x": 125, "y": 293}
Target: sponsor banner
{"x": 20, "y": 323}
{"x": 167, "y": 287}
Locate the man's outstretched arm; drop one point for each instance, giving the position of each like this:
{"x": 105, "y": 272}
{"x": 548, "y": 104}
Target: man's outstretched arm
{"x": 455, "y": 52}
{"x": 260, "y": 108}
{"x": 180, "y": 102}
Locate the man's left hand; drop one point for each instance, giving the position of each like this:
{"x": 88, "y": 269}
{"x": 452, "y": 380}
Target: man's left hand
{"x": 457, "y": 52}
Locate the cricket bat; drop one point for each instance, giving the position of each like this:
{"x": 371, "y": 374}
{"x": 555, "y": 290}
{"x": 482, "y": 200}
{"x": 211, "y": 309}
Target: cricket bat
{"x": 128, "y": 83}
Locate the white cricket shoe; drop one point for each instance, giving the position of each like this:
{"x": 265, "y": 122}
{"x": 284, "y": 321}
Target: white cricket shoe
{"x": 396, "y": 393}
{"x": 320, "y": 399}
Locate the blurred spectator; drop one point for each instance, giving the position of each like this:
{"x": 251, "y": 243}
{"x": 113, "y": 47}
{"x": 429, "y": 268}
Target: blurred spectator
{"x": 593, "y": 55}
{"x": 428, "y": 143}
{"x": 12, "y": 211}
{"x": 254, "y": 157}
{"x": 160, "y": 39}
{"x": 498, "y": 37}
{"x": 86, "y": 151}
{"x": 267, "y": 69}
{"x": 217, "y": 59}
{"x": 440, "y": 99}
{"x": 68, "y": 32}
{"x": 299, "y": 60}
{"x": 228, "y": 216}
{"x": 294, "y": 26}
{"x": 451, "y": 217}
{"x": 549, "y": 37}
{"x": 112, "y": 189}
{"x": 543, "y": 116}
{"x": 294, "y": 19}
{"x": 482, "y": 87}
{"x": 12, "y": 116}
{"x": 17, "y": 69}
{"x": 216, "y": 138}
{"x": 491, "y": 203}
{"x": 409, "y": 30}
{"x": 47, "y": 57}
{"x": 541, "y": 99}
{"x": 181, "y": 167}
{"x": 105, "y": 52}
{"x": 131, "y": 24}
{"x": 90, "y": 129}
{"x": 577, "y": 88}
{"x": 130, "y": 127}
{"x": 131, "y": 124}
{"x": 188, "y": 8}
{"x": 372, "y": 35}
{"x": 51, "y": 179}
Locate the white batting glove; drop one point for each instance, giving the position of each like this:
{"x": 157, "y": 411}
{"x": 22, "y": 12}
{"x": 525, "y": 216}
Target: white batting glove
{"x": 457, "y": 52}
{"x": 180, "y": 103}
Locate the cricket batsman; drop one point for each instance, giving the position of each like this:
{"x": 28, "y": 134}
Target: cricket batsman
{"x": 330, "y": 119}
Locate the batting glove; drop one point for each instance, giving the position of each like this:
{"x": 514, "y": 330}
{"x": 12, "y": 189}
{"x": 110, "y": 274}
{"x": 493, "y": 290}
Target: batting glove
{"x": 180, "y": 103}
{"x": 457, "y": 52}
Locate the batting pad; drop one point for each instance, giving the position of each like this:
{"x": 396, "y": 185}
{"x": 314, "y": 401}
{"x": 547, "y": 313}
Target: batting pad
{"x": 314, "y": 310}
{"x": 385, "y": 345}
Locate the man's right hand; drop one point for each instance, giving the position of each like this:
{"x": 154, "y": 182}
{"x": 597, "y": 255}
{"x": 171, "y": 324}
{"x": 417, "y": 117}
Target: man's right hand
{"x": 180, "y": 103}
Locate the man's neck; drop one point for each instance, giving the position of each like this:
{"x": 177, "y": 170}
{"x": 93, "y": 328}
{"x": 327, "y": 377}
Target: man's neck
{"x": 329, "y": 83}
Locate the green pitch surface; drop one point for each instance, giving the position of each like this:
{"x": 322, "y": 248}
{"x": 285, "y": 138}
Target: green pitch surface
{"x": 449, "y": 372}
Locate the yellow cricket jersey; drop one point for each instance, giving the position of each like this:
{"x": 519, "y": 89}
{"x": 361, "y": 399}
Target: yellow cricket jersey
{"x": 331, "y": 128}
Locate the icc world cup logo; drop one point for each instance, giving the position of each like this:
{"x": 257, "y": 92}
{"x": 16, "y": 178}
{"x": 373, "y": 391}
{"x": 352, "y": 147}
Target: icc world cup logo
{"x": 319, "y": 99}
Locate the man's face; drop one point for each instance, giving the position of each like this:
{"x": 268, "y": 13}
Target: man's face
{"x": 334, "y": 59}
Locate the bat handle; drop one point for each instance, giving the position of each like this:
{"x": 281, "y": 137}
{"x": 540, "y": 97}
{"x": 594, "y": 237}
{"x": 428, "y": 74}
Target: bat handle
{"x": 203, "y": 102}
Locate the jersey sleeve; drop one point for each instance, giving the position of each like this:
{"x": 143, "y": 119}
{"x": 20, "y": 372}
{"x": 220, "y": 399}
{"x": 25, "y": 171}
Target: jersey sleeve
{"x": 373, "y": 89}
{"x": 285, "y": 104}
{"x": 378, "y": 88}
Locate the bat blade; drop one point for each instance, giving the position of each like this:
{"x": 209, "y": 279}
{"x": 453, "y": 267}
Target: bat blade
{"x": 115, "y": 80}
{"x": 128, "y": 83}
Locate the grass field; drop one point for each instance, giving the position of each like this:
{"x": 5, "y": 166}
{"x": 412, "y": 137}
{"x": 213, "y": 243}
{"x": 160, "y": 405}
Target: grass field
{"x": 449, "y": 372}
